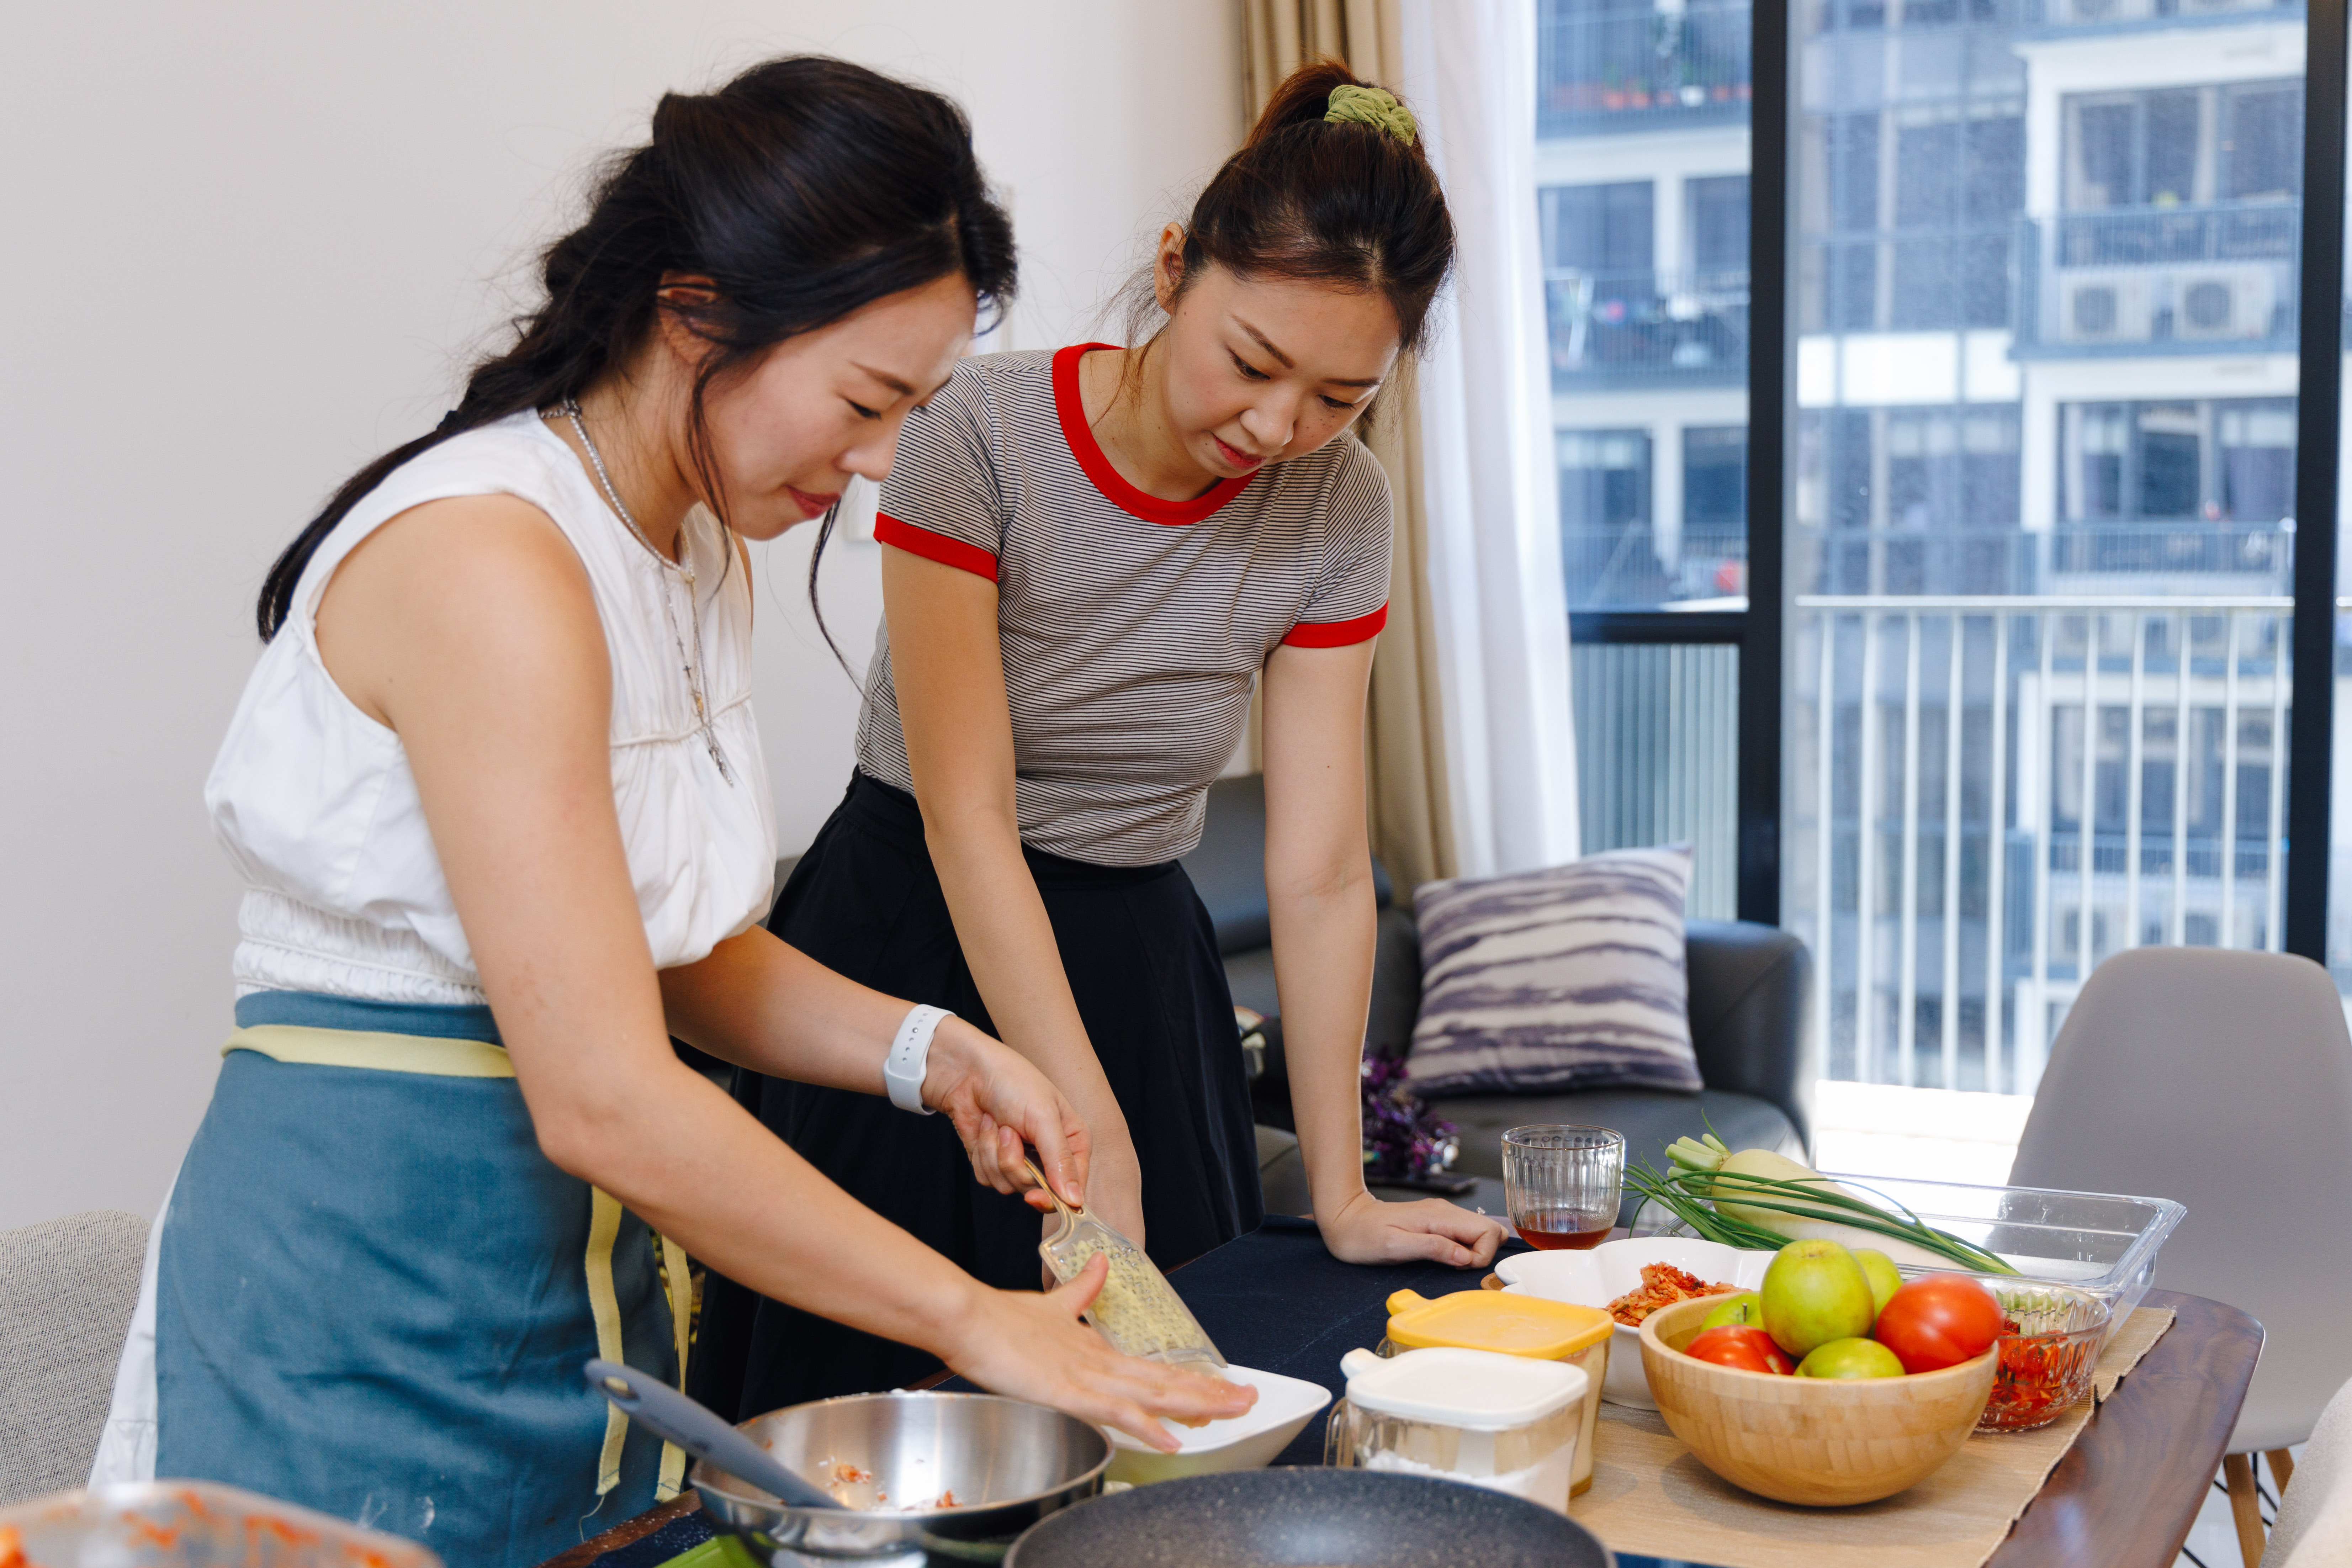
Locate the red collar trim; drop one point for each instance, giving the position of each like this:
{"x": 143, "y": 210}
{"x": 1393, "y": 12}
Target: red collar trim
{"x": 1083, "y": 445}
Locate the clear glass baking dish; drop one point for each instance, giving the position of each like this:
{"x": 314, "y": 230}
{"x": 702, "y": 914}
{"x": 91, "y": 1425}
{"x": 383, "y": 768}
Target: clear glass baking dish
{"x": 2104, "y": 1243}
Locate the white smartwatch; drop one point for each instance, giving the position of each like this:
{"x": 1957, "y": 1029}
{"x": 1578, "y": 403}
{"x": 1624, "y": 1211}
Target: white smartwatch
{"x": 911, "y": 1055}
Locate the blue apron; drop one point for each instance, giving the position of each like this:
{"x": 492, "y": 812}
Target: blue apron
{"x": 374, "y": 1294}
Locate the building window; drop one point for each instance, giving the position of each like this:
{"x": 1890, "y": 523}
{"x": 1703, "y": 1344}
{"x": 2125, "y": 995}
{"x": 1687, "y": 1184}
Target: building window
{"x": 1606, "y": 547}
{"x": 2186, "y": 146}
{"x": 1718, "y": 224}
{"x": 1606, "y": 230}
{"x": 2215, "y": 460}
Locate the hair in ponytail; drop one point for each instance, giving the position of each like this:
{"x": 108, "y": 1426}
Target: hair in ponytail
{"x": 803, "y": 189}
{"x": 1344, "y": 202}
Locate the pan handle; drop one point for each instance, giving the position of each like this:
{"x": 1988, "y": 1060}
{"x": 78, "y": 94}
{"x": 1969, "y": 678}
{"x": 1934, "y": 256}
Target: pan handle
{"x": 695, "y": 1427}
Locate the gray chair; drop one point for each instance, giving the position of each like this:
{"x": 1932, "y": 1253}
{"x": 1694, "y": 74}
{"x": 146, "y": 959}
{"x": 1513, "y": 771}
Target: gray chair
{"x": 2222, "y": 1081}
{"x": 66, "y": 1290}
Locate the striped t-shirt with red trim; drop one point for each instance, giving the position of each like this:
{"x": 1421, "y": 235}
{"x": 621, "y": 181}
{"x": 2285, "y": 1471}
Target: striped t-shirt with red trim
{"x": 1131, "y": 627}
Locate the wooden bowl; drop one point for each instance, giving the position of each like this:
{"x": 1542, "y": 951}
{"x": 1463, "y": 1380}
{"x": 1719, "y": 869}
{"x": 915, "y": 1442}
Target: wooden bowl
{"x": 1819, "y": 1441}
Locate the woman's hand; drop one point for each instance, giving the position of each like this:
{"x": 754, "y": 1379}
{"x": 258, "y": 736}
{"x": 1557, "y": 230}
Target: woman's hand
{"x": 1366, "y": 1230}
{"x": 1000, "y": 1101}
{"x": 1033, "y": 1347}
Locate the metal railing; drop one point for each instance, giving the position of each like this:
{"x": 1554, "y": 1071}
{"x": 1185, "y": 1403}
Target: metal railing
{"x": 1949, "y": 557}
{"x": 1601, "y": 70}
{"x": 2198, "y": 276}
{"x": 1630, "y": 566}
{"x": 1993, "y": 793}
{"x": 1657, "y": 752}
{"x": 1645, "y": 326}
{"x": 2103, "y": 12}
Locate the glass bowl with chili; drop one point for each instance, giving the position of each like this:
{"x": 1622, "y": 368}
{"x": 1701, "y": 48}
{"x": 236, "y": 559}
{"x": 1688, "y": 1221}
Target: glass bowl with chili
{"x": 2049, "y": 1349}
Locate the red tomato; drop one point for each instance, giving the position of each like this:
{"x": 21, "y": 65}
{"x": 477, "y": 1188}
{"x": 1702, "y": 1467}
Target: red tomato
{"x": 1749, "y": 1349}
{"x": 1939, "y": 1322}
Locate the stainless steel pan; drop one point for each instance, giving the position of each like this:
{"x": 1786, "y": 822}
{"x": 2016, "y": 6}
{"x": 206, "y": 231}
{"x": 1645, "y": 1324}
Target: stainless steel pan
{"x": 890, "y": 1460}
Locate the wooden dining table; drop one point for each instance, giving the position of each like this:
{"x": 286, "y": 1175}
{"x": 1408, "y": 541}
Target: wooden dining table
{"x": 2124, "y": 1497}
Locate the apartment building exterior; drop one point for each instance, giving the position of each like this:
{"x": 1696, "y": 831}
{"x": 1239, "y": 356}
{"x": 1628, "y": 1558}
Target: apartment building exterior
{"x": 2040, "y": 546}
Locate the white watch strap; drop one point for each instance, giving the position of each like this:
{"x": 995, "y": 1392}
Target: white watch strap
{"x": 911, "y": 1055}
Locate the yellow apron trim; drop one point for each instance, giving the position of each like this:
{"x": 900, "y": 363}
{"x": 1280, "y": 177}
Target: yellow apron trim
{"x": 478, "y": 1058}
{"x": 383, "y": 1053}
{"x": 681, "y": 1318}
{"x": 604, "y": 1225}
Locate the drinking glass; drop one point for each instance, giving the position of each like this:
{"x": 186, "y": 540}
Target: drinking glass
{"x": 1563, "y": 1183}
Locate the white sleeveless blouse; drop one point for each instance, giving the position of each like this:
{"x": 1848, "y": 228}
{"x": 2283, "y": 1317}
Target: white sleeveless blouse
{"x": 315, "y": 803}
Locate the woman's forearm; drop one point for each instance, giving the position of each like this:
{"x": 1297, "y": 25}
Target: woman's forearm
{"x": 1323, "y": 943}
{"x": 762, "y": 1004}
{"x": 676, "y": 1150}
{"x": 1008, "y": 941}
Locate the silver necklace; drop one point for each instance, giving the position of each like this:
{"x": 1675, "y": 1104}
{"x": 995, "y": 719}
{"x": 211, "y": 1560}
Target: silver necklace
{"x": 690, "y": 660}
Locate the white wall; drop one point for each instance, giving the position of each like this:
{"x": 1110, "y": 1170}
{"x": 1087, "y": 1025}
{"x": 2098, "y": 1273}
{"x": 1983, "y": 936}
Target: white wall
{"x": 249, "y": 246}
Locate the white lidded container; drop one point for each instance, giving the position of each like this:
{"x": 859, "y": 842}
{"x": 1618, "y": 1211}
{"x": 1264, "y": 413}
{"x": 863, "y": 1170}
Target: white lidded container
{"x": 1502, "y": 1422}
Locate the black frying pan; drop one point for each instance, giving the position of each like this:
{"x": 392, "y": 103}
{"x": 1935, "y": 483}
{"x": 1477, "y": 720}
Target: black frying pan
{"x": 1308, "y": 1518}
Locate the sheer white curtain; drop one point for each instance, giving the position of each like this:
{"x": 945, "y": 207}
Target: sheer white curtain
{"x": 1486, "y": 471}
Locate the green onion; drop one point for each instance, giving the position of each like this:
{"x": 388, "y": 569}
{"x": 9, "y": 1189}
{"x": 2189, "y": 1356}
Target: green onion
{"x": 1686, "y": 1193}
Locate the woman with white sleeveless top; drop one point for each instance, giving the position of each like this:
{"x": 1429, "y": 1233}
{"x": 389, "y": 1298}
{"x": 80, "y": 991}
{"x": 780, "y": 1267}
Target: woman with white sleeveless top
{"x": 497, "y": 794}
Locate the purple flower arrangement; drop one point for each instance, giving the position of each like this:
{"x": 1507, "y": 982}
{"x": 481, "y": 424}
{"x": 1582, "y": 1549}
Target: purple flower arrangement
{"x": 1404, "y": 1141}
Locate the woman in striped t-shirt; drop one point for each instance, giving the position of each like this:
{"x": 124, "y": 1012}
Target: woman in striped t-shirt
{"x": 1093, "y": 555}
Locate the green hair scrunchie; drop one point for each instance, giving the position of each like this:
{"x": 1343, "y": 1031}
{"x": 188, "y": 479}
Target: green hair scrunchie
{"x": 1373, "y": 106}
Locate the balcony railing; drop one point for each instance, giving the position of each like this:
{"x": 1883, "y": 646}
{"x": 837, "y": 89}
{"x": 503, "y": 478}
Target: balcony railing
{"x": 1657, "y": 757}
{"x": 1614, "y": 327}
{"x": 1601, "y": 71}
{"x": 2109, "y": 13}
{"x": 2134, "y": 278}
{"x": 2240, "y": 550}
{"x": 1942, "y": 556}
{"x": 1630, "y": 567}
{"x": 1993, "y": 794}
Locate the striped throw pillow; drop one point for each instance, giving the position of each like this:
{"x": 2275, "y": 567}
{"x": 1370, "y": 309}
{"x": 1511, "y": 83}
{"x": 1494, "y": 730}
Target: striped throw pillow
{"x": 1567, "y": 978}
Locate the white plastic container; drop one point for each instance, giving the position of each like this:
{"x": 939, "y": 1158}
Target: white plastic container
{"x": 1501, "y": 1422}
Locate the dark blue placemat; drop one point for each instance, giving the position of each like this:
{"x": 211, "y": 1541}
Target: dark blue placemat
{"x": 1277, "y": 1300}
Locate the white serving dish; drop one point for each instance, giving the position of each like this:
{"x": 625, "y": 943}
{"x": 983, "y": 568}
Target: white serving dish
{"x": 1285, "y": 1405}
{"x": 1598, "y": 1277}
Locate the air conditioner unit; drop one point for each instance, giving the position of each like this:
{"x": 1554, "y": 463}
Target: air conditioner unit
{"x": 2224, "y": 303}
{"x": 2102, "y": 307}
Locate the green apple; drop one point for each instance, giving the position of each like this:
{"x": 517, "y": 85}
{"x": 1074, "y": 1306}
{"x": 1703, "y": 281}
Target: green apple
{"x": 1744, "y": 1311}
{"x": 1850, "y": 1358}
{"x": 1815, "y": 1292}
{"x": 1883, "y": 1280}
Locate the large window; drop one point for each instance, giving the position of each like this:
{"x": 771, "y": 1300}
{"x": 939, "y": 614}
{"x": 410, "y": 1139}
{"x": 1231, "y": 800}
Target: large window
{"x": 2026, "y": 525}
{"x": 2034, "y": 548}
{"x": 2042, "y": 536}
{"x": 1644, "y": 199}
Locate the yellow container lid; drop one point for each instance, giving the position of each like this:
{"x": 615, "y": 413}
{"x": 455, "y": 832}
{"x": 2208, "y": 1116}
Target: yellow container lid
{"x": 1496, "y": 1321}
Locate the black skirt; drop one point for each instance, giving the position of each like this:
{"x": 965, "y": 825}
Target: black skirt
{"x": 1142, "y": 962}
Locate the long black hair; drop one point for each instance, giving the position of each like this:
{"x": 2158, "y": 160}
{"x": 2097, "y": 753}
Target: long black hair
{"x": 802, "y": 190}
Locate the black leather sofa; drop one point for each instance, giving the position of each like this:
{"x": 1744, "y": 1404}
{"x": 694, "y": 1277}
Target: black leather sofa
{"x": 1750, "y": 995}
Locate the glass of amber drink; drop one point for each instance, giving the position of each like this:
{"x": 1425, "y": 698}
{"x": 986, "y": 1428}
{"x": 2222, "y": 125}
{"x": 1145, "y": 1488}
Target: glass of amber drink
{"x": 1563, "y": 1183}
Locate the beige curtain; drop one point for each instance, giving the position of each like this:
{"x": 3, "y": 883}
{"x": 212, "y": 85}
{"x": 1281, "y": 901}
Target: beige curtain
{"x": 1410, "y": 817}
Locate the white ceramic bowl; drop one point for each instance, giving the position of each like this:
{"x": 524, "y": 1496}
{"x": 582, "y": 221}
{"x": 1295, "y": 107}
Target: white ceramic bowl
{"x": 1285, "y": 1405}
{"x": 1598, "y": 1277}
